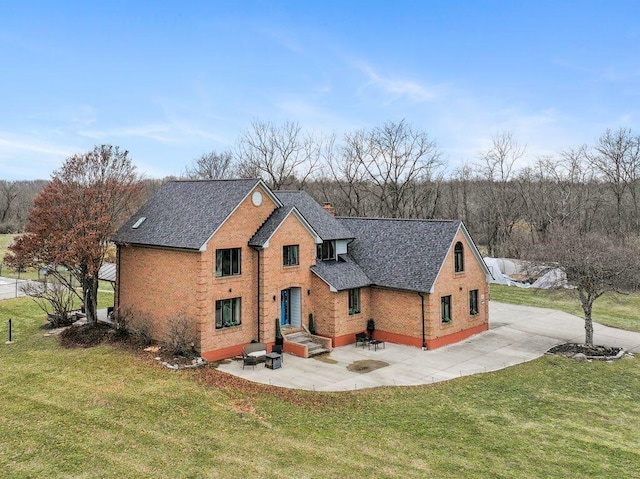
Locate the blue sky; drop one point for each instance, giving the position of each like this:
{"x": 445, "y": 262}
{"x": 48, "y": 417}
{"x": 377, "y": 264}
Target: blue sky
{"x": 169, "y": 81}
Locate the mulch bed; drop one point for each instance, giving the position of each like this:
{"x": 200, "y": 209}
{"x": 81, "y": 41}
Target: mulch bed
{"x": 88, "y": 336}
{"x": 590, "y": 352}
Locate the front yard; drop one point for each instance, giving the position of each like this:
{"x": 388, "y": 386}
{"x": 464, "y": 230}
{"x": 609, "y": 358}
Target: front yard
{"x": 616, "y": 310}
{"x": 105, "y": 412}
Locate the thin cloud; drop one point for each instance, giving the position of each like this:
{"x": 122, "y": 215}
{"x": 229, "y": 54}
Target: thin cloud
{"x": 154, "y": 132}
{"x": 397, "y": 87}
{"x": 10, "y": 146}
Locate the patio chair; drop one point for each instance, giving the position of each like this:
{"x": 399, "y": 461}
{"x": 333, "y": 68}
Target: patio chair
{"x": 362, "y": 338}
{"x": 249, "y": 361}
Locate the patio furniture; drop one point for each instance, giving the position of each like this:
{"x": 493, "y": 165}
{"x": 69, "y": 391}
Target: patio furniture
{"x": 249, "y": 361}
{"x": 258, "y": 350}
{"x": 376, "y": 343}
{"x": 362, "y": 338}
{"x": 277, "y": 348}
{"x": 273, "y": 361}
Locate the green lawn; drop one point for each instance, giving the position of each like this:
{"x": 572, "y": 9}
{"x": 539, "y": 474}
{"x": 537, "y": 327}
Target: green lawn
{"x": 101, "y": 412}
{"x": 617, "y": 310}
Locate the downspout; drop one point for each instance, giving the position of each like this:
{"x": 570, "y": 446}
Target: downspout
{"x": 424, "y": 337}
{"x": 117, "y": 283}
{"x": 257, "y": 250}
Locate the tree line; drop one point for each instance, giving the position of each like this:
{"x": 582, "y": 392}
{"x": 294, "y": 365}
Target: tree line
{"x": 507, "y": 200}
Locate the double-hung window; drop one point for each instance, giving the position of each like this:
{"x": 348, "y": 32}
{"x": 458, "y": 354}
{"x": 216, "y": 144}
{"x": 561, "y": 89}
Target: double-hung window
{"x": 445, "y": 307}
{"x": 228, "y": 262}
{"x": 473, "y": 302}
{"x": 290, "y": 255}
{"x": 228, "y": 313}
{"x": 354, "y": 301}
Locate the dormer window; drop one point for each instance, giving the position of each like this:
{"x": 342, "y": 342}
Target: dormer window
{"x": 326, "y": 251}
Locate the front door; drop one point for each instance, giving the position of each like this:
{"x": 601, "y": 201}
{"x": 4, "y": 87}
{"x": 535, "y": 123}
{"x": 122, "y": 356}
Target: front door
{"x": 290, "y": 307}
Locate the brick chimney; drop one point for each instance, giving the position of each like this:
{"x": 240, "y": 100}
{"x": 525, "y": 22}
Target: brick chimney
{"x": 329, "y": 209}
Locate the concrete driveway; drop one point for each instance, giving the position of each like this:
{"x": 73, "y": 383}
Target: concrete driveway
{"x": 10, "y": 288}
{"x": 517, "y": 334}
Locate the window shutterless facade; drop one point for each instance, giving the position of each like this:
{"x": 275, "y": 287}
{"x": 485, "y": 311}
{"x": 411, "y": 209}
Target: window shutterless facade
{"x": 473, "y": 302}
{"x": 458, "y": 257}
{"x": 290, "y": 255}
{"x": 326, "y": 250}
{"x": 354, "y": 301}
{"x": 445, "y": 308}
{"x": 228, "y": 313}
{"x": 228, "y": 261}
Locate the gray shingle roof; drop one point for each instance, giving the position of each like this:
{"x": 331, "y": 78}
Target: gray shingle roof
{"x": 270, "y": 226}
{"x": 274, "y": 221}
{"x": 326, "y": 225}
{"x": 184, "y": 214}
{"x": 403, "y": 254}
{"x": 342, "y": 274}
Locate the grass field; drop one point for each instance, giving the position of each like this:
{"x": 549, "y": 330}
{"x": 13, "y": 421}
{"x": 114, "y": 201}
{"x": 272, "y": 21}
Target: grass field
{"x": 617, "y": 310}
{"x": 102, "y": 412}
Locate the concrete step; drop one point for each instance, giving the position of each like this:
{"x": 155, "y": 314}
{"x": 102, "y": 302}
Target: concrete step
{"x": 318, "y": 351}
{"x": 297, "y": 337}
{"x": 303, "y": 338}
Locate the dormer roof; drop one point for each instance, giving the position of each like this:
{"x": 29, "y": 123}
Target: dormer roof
{"x": 323, "y": 223}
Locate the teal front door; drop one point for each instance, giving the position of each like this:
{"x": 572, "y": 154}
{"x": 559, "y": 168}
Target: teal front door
{"x": 290, "y": 307}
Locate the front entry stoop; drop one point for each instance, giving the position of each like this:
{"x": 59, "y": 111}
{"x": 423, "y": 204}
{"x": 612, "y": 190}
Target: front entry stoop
{"x": 302, "y": 340}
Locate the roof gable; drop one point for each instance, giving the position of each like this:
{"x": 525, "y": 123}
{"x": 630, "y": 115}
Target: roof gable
{"x": 341, "y": 274}
{"x": 185, "y": 214}
{"x": 273, "y": 223}
{"x": 400, "y": 253}
{"x": 474, "y": 250}
{"x": 325, "y": 224}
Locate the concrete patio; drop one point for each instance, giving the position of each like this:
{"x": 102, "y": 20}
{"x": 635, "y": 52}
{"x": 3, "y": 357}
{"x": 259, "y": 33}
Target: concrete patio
{"x": 517, "y": 334}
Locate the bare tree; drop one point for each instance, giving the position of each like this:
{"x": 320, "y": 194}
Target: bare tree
{"x": 397, "y": 159}
{"x": 501, "y": 202}
{"x": 458, "y": 186}
{"x": 54, "y": 297}
{"x": 346, "y": 166}
{"x": 8, "y": 195}
{"x": 594, "y": 264}
{"x": 616, "y": 157}
{"x": 284, "y": 155}
{"x": 212, "y": 166}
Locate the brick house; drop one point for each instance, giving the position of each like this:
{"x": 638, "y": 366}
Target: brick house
{"x": 235, "y": 257}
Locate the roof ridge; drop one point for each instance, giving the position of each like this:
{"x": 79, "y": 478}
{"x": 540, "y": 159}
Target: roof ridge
{"x": 210, "y": 180}
{"x": 375, "y": 218}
